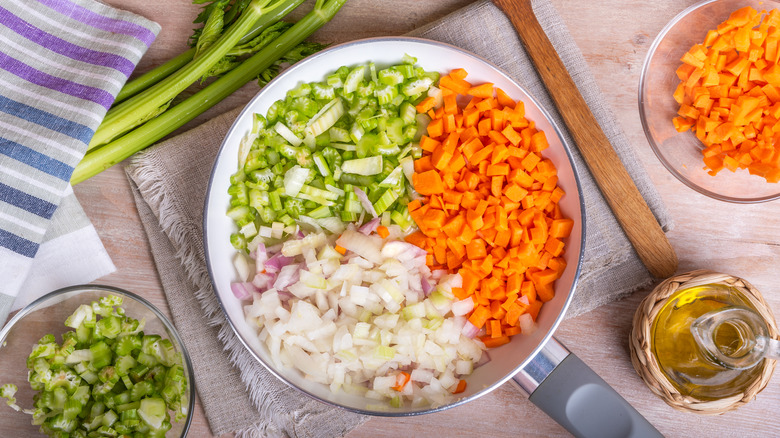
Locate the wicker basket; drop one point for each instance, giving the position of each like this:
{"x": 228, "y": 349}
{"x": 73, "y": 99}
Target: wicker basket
{"x": 647, "y": 366}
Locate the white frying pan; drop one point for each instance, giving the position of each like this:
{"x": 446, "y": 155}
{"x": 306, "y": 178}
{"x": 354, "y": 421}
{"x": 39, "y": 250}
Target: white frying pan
{"x": 555, "y": 380}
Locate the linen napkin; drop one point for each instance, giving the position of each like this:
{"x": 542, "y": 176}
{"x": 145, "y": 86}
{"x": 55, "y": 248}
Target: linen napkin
{"x": 170, "y": 180}
{"x": 62, "y": 62}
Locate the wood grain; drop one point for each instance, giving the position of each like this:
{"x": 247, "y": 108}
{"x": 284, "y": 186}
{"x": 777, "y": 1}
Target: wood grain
{"x": 614, "y": 37}
{"x": 615, "y": 183}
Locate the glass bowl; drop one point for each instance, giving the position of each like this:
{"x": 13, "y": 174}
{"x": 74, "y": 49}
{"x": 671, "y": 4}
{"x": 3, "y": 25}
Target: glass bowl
{"x": 47, "y": 315}
{"x": 680, "y": 153}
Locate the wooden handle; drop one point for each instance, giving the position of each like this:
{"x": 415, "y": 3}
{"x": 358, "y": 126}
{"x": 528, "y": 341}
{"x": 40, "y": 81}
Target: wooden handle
{"x": 628, "y": 205}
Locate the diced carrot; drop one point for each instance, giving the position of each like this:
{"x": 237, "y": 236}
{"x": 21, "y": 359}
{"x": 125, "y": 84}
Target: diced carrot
{"x": 460, "y": 387}
{"x": 504, "y": 99}
{"x": 436, "y": 128}
{"x": 402, "y": 378}
{"x": 479, "y": 316}
{"x": 340, "y": 249}
{"x": 728, "y": 86}
{"x": 382, "y": 231}
{"x": 428, "y": 144}
{"x": 491, "y": 342}
{"x": 426, "y": 104}
{"x": 490, "y": 211}
{"x": 428, "y": 183}
{"x": 483, "y": 90}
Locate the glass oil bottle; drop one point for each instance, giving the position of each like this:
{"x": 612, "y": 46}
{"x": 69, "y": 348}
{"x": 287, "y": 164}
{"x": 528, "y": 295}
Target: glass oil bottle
{"x": 709, "y": 341}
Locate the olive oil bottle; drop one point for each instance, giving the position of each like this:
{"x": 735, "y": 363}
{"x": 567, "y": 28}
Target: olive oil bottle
{"x": 691, "y": 368}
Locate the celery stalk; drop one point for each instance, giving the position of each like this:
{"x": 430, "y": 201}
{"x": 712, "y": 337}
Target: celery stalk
{"x": 150, "y": 132}
{"x": 126, "y": 115}
{"x": 161, "y": 72}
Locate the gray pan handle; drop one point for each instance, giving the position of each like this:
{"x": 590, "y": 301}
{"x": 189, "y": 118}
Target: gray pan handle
{"x": 567, "y": 390}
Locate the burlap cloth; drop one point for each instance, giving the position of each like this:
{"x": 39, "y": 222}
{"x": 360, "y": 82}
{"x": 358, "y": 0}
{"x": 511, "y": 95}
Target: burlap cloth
{"x": 170, "y": 182}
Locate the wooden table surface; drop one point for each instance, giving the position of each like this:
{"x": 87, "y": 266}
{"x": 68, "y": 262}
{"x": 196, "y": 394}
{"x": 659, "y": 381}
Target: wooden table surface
{"x": 614, "y": 36}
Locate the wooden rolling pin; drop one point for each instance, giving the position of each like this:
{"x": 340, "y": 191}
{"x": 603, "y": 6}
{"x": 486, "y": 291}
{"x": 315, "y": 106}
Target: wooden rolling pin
{"x": 615, "y": 183}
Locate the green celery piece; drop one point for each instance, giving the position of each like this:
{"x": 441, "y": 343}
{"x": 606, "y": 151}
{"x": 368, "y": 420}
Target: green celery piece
{"x": 385, "y": 201}
{"x": 140, "y": 390}
{"x": 82, "y": 313}
{"x": 101, "y": 354}
{"x": 157, "y": 128}
{"x": 153, "y": 412}
{"x": 7, "y": 392}
{"x": 146, "y": 359}
{"x": 363, "y": 166}
{"x": 109, "y": 418}
{"x": 81, "y": 395}
{"x": 59, "y": 423}
{"x": 128, "y": 411}
{"x": 109, "y": 327}
{"x": 125, "y": 344}
{"x": 124, "y": 364}
{"x": 354, "y": 78}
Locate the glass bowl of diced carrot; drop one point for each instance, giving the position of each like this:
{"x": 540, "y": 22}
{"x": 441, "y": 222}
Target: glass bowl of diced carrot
{"x": 709, "y": 99}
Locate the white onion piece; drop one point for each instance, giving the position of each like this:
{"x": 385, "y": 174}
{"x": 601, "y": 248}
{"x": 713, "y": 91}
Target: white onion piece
{"x": 469, "y": 330}
{"x": 276, "y": 262}
{"x": 370, "y": 226}
{"x": 462, "y": 307}
{"x": 242, "y": 265}
{"x": 527, "y": 324}
{"x": 367, "y": 247}
{"x": 426, "y": 286}
{"x": 287, "y": 276}
{"x": 482, "y": 360}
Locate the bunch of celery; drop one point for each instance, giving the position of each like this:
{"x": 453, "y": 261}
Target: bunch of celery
{"x": 240, "y": 40}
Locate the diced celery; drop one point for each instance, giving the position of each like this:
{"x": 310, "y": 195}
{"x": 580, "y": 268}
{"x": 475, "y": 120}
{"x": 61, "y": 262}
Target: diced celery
{"x": 153, "y": 411}
{"x": 363, "y": 166}
{"x": 416, "y": 86}
{"x": 386, "y": 200}
{"x": 354, "y": 78}
{"x": 385, "y": 94}
{"x": 390, "y": 76}
{"x": 326, "y": 117}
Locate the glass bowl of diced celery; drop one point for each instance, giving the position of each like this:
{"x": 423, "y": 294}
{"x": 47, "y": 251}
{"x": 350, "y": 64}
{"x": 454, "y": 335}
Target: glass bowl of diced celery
{"x": 97, "y": 359}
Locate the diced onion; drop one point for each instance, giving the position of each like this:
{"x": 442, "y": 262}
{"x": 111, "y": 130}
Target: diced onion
{"x": 462, "y": 307}
{"x": 470, "y": 330}
{"x": 370, "y": 226}
{"x": 353, "y": 321}
{"x": 241, "y": 290}
{"x": 527, "y": 324}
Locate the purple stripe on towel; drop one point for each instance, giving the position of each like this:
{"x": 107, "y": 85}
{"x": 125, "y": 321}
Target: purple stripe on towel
{"x": 30, "y": 74}
{"x": 101, "y": 22}
{"x": 65, "y": 48}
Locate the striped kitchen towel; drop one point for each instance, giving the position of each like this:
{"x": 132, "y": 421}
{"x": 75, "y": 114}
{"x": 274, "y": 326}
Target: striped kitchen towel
{"x": 62, "y": 62}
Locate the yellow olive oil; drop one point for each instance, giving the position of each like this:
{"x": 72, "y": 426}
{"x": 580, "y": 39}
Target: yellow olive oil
{"x": 682, "y": 361}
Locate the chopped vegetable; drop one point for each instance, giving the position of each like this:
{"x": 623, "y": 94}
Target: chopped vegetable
{"x": 490, "y": 211}
{"x": 332, "y": 152}
{"x": 729, "y": 94}
{"x": 355, "y": 315}
{"x": 107, "y": 378}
